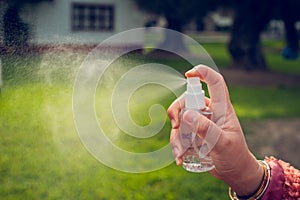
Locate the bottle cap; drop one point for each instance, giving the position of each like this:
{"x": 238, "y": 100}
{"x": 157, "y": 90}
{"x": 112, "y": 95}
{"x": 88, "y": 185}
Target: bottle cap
{"x": 194, "y": 97}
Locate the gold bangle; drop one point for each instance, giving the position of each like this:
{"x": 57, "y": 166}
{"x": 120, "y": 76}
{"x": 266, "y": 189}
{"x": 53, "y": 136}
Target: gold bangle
{"x": 264, "y": 184}
{"x": 266, "y": 180}
{"x": 232, "y": 195}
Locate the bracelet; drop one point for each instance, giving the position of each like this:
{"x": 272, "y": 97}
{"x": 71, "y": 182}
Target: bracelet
{"x": 264, "y": 185}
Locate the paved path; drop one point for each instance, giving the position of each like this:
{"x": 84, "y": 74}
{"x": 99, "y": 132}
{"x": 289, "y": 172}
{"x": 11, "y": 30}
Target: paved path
{"x": 259, "y": 78}
{"x": 277, "y": 137}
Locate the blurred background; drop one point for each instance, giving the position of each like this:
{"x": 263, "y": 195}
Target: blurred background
{"x": 43, "y": 43}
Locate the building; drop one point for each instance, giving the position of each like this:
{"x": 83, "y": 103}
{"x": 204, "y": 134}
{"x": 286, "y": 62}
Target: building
{"x": 79, "y": 22}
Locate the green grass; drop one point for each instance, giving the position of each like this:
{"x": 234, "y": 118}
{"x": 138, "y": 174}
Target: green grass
{"x": 265, "y": 102}
{"x": 42, "y": 156}
{"x": 219, "y": 53}
{"x": 276, "y": 62}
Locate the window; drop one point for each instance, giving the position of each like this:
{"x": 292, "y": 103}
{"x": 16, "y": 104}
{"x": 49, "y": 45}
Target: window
{"x": 92, "y": 17}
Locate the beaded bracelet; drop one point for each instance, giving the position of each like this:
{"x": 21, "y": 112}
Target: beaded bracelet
{"x": 264, "y": 184}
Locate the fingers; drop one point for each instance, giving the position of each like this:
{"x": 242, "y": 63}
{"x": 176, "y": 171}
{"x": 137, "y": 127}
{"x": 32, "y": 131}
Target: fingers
{"x": 205, "y": 128}
{"x": 217, "y": 88}
{"x": 177, "y": 148}
{"x": 215, "y": 82}
{"x": 174, "y": 111}
{"x": 208, "y": 130}
{"x": 196, "y": 122}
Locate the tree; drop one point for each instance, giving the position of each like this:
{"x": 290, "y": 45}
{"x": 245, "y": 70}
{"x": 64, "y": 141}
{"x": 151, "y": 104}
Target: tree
{"x": 177, "y": 14}
{"x": 251, "y": 18}
{"x": 16, "y": 31}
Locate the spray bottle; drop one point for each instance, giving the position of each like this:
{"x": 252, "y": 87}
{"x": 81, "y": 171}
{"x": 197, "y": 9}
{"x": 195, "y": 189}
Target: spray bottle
{"x": 193, "y": 160}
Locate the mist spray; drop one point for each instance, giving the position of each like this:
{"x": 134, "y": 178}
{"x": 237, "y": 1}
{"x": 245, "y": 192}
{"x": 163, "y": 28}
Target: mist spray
{"x": 0, "y": 75}
{"x": 193, "y": 160}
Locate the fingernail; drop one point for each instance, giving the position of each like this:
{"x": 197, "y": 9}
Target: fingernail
{"x": 193, "y": 69}
{"x": 198, "y": 66}
{"x": 177, "y": 160}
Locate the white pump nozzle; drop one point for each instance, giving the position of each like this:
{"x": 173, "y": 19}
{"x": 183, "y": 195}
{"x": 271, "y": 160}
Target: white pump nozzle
{"x": 194, "y": 97}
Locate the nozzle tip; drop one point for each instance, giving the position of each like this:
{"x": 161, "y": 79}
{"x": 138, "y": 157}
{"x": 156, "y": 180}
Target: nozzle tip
{"x": 193, "y": 80}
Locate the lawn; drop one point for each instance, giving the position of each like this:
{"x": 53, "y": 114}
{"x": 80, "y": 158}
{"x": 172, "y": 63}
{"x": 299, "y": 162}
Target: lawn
{"x": 42, "y": 156}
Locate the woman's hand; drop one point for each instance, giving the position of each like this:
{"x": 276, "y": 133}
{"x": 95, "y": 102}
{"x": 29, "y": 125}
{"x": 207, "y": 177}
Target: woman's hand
{"x": 234, "y": 163}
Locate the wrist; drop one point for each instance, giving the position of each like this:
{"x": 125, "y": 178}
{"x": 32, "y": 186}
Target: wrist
{"x": 249, "y": 179}
{"x": 259, "y": 192}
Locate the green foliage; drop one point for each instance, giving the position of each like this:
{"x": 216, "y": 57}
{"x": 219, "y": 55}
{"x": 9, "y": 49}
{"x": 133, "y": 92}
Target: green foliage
{"x": 177, "y": 12}
{"x": 16, "y": 32}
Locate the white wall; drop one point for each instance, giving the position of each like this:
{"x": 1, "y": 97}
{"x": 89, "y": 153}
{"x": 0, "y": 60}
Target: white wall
{"x": 51, "y": 22}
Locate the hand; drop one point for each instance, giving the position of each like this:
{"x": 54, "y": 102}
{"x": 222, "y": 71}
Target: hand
{"x": 234, "y": 163}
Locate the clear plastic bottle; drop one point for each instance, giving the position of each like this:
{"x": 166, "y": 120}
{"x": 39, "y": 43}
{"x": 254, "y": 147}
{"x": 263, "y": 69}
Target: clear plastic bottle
{"x": 193, "y": 160}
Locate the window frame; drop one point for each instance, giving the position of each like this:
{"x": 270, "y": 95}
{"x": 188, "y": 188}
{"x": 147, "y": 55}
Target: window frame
{"x": 93, "y": 17}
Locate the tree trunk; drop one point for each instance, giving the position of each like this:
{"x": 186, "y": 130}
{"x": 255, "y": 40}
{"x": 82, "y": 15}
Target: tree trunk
{"x": 246, "y": 51}
{"x": 251, "y": 17}
{"x": 16, "y": 32}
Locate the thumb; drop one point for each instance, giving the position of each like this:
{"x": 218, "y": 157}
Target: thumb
{"x": 207, "y": 130}
{"x": 196, "y": 122}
